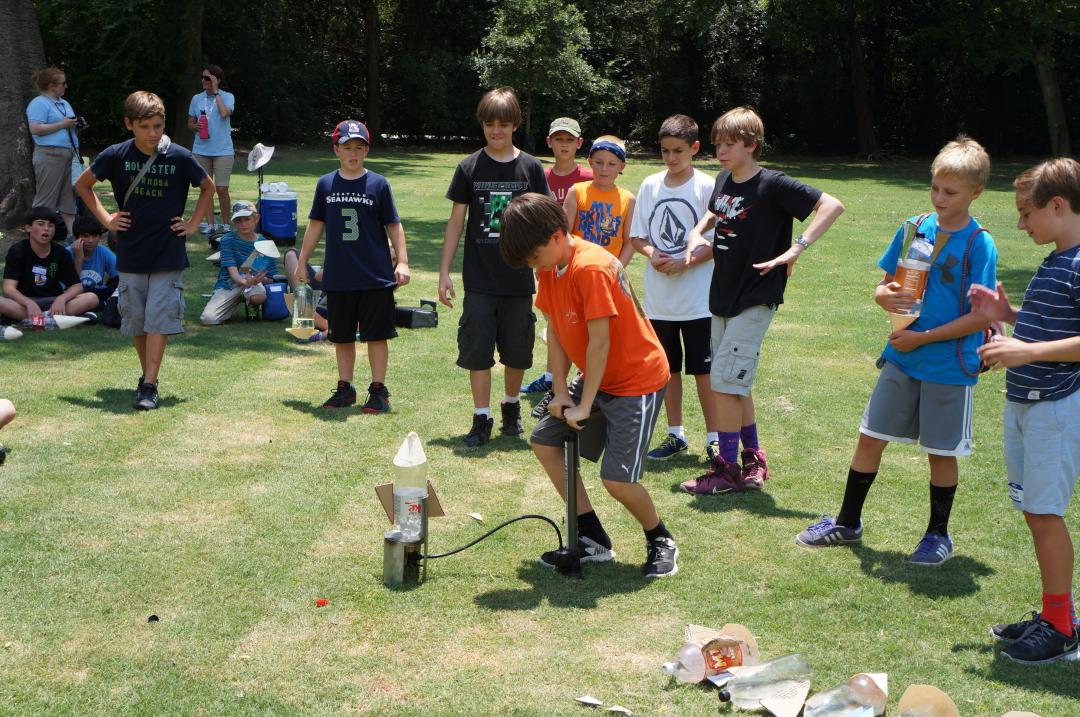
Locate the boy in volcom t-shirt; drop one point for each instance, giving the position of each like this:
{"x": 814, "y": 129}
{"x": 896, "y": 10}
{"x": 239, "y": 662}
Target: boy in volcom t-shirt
{"x": 151, "y": 251}
{"x": 497, "y": 311}
{"x": 356, "y": 209}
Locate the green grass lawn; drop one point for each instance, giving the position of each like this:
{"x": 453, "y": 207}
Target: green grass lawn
{"x": 227, "y": 512}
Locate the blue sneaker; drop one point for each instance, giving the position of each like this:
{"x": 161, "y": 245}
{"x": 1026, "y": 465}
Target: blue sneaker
{"x": 933, "y": 549}
{"x": 541, "y": 385}
{"x": 826, "y": 532}
{"x": 671, "y": 446}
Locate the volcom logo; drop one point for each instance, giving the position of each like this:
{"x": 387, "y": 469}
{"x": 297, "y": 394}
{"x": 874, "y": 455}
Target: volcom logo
{"x": 672, "y": 233}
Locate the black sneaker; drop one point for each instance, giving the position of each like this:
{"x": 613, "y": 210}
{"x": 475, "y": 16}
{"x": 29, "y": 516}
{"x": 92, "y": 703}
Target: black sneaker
{"x": 541, "y": 408}
{"x": 1011, "y": 632}
{"x": 589, "y": 551}
{"x": 378, "y": 399}
{"x": 511, "y": 419}
{"x": 1042, "y": 643}
{"x": 3, "y": 454}
{"x": 138, "y": 386}
{"x": 344, "y": 395}
{"x": 480, "y": 433}
{"x": 148, "y": 397}
{"x": 662, "y": 558}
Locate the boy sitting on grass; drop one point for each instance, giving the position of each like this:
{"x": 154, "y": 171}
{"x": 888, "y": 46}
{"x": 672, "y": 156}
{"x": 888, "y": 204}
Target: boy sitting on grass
{"x": 1042, "y": 410}
{"x": 95, "y": 262}
{"x": 242, "y": 276}
{"x": 597, "y": 324}
{"x": 36, "y": 272}
{"x": 929, "y": 369}
{"x": 356, "y": 209}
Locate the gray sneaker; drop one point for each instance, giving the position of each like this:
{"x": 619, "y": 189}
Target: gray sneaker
{"x": 148, "y": 397}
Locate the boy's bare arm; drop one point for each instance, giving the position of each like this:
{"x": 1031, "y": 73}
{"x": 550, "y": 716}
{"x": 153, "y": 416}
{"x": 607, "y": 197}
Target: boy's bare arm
{"x": 451, "y": 237}
{"x": 827, "y": 209}
{"x": 312, "y": 235}
{"x": 1013, "y": 352}
{"x": 11, "y": 291}
{"x": 570, "y": 208}
{"x": 627, "y": 252}
{"x": 969, "y": 323}
{"x": 596, "y": 358}
{"x": 118, "y": 222}
{"x": 397, "y": 241}
{"x": 696, "y": 238}
{"x": 202, "y": 207}
{"x": 891, "y": 296}
{"x": 59, "y": 305}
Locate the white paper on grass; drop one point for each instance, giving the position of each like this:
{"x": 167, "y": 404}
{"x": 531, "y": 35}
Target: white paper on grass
{"x": 619, "y": 709}
{"x": 476, "y": 516}
{"x": 589, "y": 701}
{"x": 789, "y": 701}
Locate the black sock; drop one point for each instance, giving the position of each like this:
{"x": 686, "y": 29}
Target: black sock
{"x": 660, "y": 531}
{"x": 588, "y": 525}
{"x": 941, "y": 500}
{"x": 858, "y": 485}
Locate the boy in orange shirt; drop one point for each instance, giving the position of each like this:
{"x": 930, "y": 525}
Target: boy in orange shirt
{"x": 595, "y": 322}
{"x": 598, "y": 211}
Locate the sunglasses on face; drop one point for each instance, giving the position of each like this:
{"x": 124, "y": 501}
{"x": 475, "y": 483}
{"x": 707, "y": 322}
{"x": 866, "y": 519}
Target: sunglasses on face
{"x": 206, "y": 78}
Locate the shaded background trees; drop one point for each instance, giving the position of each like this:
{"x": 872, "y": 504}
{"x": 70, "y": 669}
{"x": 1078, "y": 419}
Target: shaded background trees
{"x": 853, "y": 77}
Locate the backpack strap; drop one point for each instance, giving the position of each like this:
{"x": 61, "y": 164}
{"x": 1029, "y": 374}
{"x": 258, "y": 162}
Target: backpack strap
{"x": 965, "y": 269}
{"x": 162, "y": 147}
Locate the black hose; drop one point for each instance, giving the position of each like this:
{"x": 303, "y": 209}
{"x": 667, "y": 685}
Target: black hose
{"x": 499, "y": 527}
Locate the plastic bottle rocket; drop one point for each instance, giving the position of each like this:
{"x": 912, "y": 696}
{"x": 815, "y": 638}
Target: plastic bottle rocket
{"x": 912, "y": 272}
{"x": 410, "y": 488}
{"x": 751, "y": 685}
{"x": 926, "y": 701}
{"x": 688, "y": 666}
{"x": 303, "y": 312}
{"x": 11, "y": 333}
{"x": 48, "y": 322}
{"x": 858, "y": 697}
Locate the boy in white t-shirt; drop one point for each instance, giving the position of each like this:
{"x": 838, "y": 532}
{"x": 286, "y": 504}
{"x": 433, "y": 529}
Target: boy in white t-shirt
{"x": 669, "y": 205}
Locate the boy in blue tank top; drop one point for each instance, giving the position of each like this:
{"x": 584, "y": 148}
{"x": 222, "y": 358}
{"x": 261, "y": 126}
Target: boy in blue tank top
{"x": 355, "y": 207}
{"x": 929, "y": 369}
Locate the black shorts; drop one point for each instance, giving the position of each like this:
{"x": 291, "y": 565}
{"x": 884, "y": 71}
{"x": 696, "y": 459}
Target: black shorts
{"x": 367, "y": 315}
{"x": 490, "y": 321}
{"x": 695, "y": 337}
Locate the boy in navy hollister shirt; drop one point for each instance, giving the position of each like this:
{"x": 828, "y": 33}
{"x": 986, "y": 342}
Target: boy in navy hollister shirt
{"x": 150, "y": 254}
{"x": 356, "y": 209}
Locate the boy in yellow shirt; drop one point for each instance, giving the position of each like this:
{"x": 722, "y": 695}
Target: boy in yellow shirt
{"x": 598, "y": 211}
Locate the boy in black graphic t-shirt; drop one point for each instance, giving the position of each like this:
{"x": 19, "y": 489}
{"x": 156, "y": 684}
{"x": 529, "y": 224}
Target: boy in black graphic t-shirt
{"x": 151, "y": 251}
{"x": 752, "y": 210}
{"x": 497, "y": 308}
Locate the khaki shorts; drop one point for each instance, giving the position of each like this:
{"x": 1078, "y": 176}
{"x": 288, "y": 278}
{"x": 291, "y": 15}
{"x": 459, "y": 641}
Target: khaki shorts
{"x": 736, "y": 349}
{"x": 219, "y": 168}
{"x": 223, "y": 302}
{"x": 52, "y": 174}
{"x": 151, "y": 303}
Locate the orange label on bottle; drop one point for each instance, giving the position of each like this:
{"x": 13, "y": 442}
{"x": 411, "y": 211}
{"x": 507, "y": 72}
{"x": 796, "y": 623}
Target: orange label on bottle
{"x": 720, "y": 655}
{"x": 912, "y": 280}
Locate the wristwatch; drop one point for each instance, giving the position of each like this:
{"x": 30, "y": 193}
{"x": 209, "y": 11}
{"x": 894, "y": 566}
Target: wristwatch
{"x": 801, "y": 241}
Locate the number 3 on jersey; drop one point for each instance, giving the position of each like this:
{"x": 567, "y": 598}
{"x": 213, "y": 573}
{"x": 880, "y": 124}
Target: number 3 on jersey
{"x": 352, "y": 224}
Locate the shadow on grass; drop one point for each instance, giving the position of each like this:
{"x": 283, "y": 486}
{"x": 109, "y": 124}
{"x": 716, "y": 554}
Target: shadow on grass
{"x": 498, "y": 443}
{"x": 333, "y": 415}
{"x": 956, "y": 578}
{"x": 1052, "y": 678}
{"x": 757, "y": 502}
{"x": 117, "y": 400}
{"x": 598, "y": 581}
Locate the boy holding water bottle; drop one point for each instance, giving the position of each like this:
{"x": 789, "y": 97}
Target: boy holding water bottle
{"x": 929, "y": 369}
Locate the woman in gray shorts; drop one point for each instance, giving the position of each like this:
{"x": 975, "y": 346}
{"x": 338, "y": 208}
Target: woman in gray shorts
{"x": 53, "y": 127}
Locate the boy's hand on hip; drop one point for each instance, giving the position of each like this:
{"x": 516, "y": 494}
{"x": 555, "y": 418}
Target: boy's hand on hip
{"x": 120, "y": 222}
{"x": 446, "y": 291}
{"x": 1007, "y": 352}
{"x": 182, "y": 228}
{"x": 788, "y": 258}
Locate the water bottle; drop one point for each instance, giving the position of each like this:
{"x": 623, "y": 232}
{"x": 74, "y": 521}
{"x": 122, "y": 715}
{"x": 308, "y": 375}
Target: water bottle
{"x": 410, "y": 488}
{"x": 747, "y": 688}
{"x": 688, "y": 666}
{"x": 48, "y": 322}
{"x": 858, "y": 697}
{"x": 303, "y": 307}
{"x": 204, "y": 125}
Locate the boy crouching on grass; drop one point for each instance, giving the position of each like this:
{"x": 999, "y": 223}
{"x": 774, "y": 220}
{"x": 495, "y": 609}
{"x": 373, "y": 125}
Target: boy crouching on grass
{"x": 356, "y": 209}
{"x": 929, "y": 369}
{"x": 1042, "y": 410}
{"x": 595, "y": 322}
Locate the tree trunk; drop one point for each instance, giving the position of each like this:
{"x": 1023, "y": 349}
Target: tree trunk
{"x": 190, "y": 27}
{"x": 1055, "y": 107}
{"x": 860, "y": 91}
{"x": 21, "y": 52}
{"x": 530, "y": 145}
{"x": 372, "y": 28}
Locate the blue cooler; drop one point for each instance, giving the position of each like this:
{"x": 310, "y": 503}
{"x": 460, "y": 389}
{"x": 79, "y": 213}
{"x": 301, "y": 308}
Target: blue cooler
{"x": 278, "y": 217}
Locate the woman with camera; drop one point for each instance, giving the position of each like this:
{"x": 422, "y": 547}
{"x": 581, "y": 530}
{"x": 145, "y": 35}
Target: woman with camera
{"x": 53, "y": 126}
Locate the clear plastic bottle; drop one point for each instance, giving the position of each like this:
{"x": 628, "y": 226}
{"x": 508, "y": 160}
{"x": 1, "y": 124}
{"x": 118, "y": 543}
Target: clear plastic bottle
{"x": 858, "y": 697}
{"x": 410, "y": 487}
{"x": 303, "y": 307}
{"x": 752, "y": 684}
{"x": 688, "y": 665}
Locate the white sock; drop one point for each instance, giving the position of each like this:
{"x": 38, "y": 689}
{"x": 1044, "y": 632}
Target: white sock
{"x": 711, "y": 437}
{"x": 485, "y": 412}
{"x": 547, "y": 375}
{"x": 510, "y": 399}
{"x": 678, "y": 432}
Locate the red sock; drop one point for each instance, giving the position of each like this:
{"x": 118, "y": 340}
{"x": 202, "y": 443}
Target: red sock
{"x": 1056, "y": 612}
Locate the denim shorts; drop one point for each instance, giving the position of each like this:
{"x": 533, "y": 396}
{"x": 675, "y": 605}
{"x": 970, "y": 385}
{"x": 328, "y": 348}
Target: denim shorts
{"x": 1042, "y": 453}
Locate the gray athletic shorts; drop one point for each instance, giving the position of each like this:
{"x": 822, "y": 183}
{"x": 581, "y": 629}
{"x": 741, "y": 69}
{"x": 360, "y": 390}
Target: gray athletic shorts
{"x": 736, "y": 349}
{"x": 620, "y": 428}
{"x": 151, "y": 303}
{"x": 219, "y": 169}
{"x": 903, "y": 409}
{"x": 1042, "y": 453}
